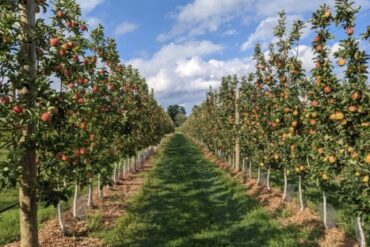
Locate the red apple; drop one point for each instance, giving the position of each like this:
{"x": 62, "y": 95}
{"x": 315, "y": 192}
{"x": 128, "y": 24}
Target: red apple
{"x": 356, "y": 95}
{"x": 54, "y": 42}
{"x": 349, "y": 30}
{"x": 83, "y": 28}
{"x": 18, "y": 109}
{"x": 314, "y": 103}
{"x": 95, "y": 89}
{"x": 46, "y": 117}
{"x": 5, "y": 100}
{"x": 59, "y": 155}
{"x": 83, "y": 151}
{"x": 327, "y": 89}
{"x": 65, "y": 157}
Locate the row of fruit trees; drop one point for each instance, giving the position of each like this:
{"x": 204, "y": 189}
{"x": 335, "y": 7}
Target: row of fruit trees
{"x": 314, "y": 126}
{"x": 68, "y": 108}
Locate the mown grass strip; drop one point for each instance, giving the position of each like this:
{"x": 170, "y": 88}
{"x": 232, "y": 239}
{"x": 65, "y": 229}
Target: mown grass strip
{"x": 187, "y": 201}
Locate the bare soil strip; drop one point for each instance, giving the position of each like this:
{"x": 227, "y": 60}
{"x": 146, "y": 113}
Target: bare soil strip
{"x": 108, "y": 210}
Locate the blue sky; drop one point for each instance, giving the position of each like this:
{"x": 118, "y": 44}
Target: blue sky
{"x": 182, "y": 47}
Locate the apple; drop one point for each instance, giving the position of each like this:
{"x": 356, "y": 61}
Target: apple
{"x": 325, "y": 177}
{"x": 83, "y": 28}
{"x": 317, "y": 38}
{"x": 352, "y": 108}
{"x": 83, "y": 151}
{"x": 341, "y": 61}
{"x": 83, "y": 125}
{"x": 312, "y": 121}
{"x": 59, "y": 155}
{"x": 315, "y": 103}
{"x": 327, "y": 89}
{"x": 110, "y": 87}
{"x": 17, "y": 109}
{"x": 54, "y": 42}
{"x": 70, "y": 85}
{"x": 65, "y": 157}
{"x": 349, "y": 30}
{"x": 367, "y": 158}
{"x": 46, "y": 117}
{"x": 5, "y": 100}
{"x": 356, "y": 95}
{"x": 62, "y": 52}
{"x": 60, "y": 14}
{"x": 65, "y": 46}
{"x": 95, "y": 89}
{"x": 332, "y": 159}
{"x": 294, "y": 124}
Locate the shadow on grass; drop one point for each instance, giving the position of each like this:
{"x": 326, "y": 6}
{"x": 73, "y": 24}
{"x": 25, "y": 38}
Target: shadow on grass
{"x": 187, "y": 201}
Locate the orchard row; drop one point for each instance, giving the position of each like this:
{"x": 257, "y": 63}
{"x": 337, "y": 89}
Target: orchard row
{"x": 314, "y": 126}
{"x": 69, "y": 109}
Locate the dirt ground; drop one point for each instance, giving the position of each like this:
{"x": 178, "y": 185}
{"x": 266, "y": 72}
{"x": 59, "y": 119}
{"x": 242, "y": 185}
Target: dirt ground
{"x": 109, "y": 210}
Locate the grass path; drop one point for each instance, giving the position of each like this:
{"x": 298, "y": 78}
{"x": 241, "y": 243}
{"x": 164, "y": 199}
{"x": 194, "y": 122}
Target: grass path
{"x": 187, "y": 201}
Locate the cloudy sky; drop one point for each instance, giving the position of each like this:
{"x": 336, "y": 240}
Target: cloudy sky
{"x": 182, "y": 47}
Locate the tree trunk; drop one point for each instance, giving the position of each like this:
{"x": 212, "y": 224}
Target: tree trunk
{"x": 28, "y": 178}
{"x": 325, "y": 214}
{"x": 60, "y": 218}
{"x": 75, "y": 201}
{"x": 285, "y": 185}
{"x": 237, "y": 140}
{"x": 90, "y": 195}
{"x": 135, "y": 163}
{"x": 123, "y": 168}
{"x": 362, "y": 240}
{"x": 114, "y": 172}
{"x": 258, "y": 175}
{"x": 268, "y": 179}
{"x": 99, "y": 187}
{"x": 250, "y": 169}
{"x": 300, "y": 192}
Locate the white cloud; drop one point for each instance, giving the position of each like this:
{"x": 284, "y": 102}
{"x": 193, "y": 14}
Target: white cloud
{"x": 305, "y": 54}
{"x": 125, "y": 27}
{"x": 89, "y": 5}
{"x": 264, "y": 33}
{"x": 180, "y": 74}
{"x": 202, "y": 16}
{"x": 93, "y": 21}
{"x": 230, "y": 32}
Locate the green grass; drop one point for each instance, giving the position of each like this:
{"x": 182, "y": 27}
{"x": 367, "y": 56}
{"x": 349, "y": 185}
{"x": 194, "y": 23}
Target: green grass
{"x": 9, "y": 220}
{"x": 187, "y": 201}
